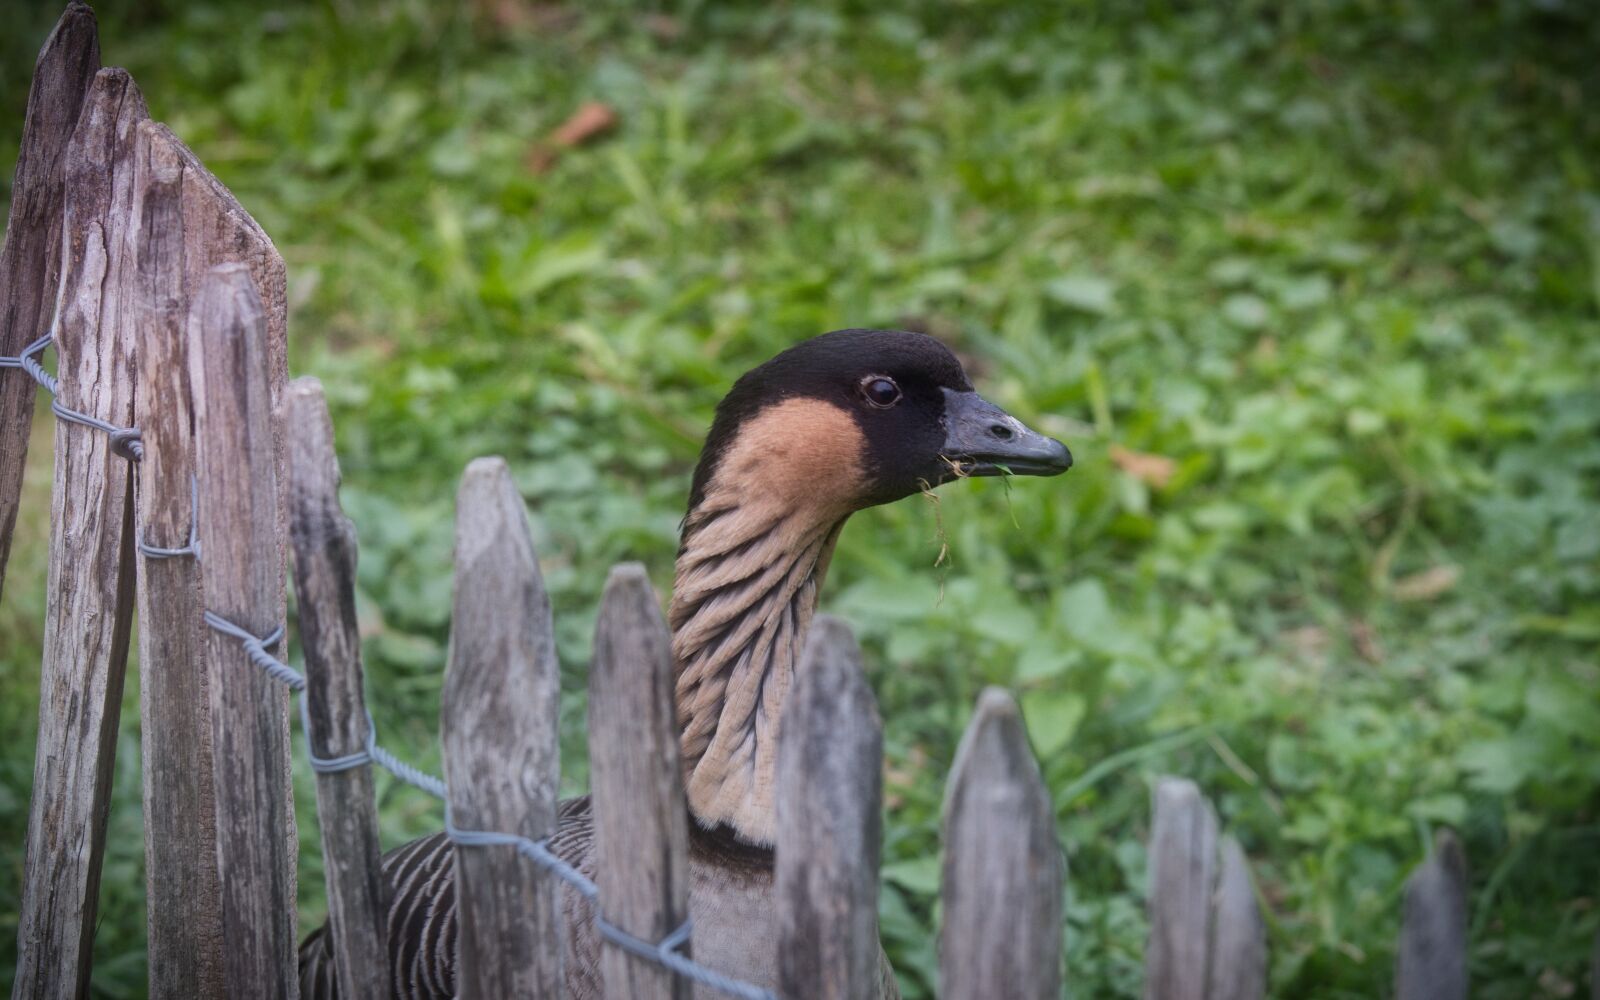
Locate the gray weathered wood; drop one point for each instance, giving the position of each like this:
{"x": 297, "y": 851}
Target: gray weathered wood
{"x": 1182, "y": 876}
{"x": 187, "y": 223}
{"x": 89, "y": 602}
{"x": 502, "y": 762}
{"x": 243, "y": 583}
{"x": 1003, "y": 867}
{"x": 324, "y": 545}
{"x": 1431, "y": 963}
{"x": 641, "y": 819}
{"x": 829, "y": 801}
{"x": 30, "y": 259}
{"x": 1237, "y": 967}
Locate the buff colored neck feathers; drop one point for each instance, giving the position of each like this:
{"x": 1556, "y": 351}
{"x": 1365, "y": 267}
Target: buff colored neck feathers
{"x": 754, "y": 553}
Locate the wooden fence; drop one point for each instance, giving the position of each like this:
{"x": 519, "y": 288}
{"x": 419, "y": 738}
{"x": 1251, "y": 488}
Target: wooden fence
{"x": 129, "y": 250}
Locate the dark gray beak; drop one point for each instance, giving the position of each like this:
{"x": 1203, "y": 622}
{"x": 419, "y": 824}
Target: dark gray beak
{"x": 983, "y": 440}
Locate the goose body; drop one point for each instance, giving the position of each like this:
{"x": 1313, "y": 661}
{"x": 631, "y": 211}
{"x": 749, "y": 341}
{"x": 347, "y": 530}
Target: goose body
{"x": 844, "y": 421}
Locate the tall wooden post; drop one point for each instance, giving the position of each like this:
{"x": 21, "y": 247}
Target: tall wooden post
{"x": 243, "y": 583}
{"x": 187, "y": 223}
{"x": 89, "y": 601}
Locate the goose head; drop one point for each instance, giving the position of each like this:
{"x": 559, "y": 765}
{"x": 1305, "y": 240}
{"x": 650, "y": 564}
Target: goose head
{"x": 838, "y": 423}
{"x": 856, "y": 418}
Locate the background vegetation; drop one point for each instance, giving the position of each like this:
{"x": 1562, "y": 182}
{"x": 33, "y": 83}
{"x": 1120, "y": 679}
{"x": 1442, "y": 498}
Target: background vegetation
{"x": 1311, "y": 290}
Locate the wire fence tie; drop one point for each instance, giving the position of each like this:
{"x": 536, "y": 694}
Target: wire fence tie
{"x": 193, "y": 547}
{"x": 125, "y": 441}
{"x": 28, "y": 362}
{"x": 333, "y": 765}
{"x": 256, "y": 649}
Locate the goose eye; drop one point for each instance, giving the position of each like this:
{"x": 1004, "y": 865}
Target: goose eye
{"x": 880, "y": 390}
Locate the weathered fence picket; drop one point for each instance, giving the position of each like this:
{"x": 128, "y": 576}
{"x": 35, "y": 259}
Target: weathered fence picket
{"x": 1207, "y": 938}
{"x": 641, "y": 820}
{"x": 1431, "y": 962}
{"x": 30, "y": 260}
{"x": 89, "y": 601}
{"x": 1183, "y": 867}
{"x": 1003, "y": 867}
{"x": 1238, "y": 962}
{"x": 243, "y": 586}
{"x": 830, "y": 792}
{"x": 501, "y": 758}
{"x": 324, "y": 546}
{"x": 187, "y": 223}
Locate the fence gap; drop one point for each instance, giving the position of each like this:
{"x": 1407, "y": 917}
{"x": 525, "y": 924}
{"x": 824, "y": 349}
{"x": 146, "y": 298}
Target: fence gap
{"x": 830, "y": 827}
{"x": 502, "y": 761}
{"x": 30, "y": 260}
{"x": 1431, "y": 961}
{"x": 1238, "y": 959}
{"x": 1003, "y": 867}
{"x": 243, "y": 584}
{"x": 641, "y": 820}
{"x": 324, "y": 545}
{"x": 89, "y": 603}
{"x": 187, "y": 223}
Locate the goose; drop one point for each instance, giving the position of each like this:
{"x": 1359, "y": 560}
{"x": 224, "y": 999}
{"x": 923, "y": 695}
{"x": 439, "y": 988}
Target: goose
{"x": 840, "y": 422}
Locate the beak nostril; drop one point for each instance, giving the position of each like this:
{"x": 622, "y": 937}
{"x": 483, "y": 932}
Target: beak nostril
{"x": 1001, "y": 431}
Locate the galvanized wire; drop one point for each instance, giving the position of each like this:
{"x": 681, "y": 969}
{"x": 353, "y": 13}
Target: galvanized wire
{"x": 124, "y": 440}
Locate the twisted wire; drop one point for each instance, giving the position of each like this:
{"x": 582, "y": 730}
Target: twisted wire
{"x": 256, "y": 649}
{"x": 125, "y": 441}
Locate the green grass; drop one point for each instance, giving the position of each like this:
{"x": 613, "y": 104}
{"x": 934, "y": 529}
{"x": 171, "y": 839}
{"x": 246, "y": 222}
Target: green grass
{"x": 1338, "y": 260}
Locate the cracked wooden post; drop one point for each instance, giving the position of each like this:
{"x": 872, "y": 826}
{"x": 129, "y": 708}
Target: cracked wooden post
{"x": 187, "y": 223}
{"x": 830, "y": 827}
{"x": 89, "y": 601}
{"x": 1431, "y": 963}
{"x": 324, "y": 545}
{"x": 502, "y": 761}
{"x": 242, "y": 582}
{"x": 1003, "y": 867}
{"x": 1182, "y": 876}
{"x": 641, "y": 819}
{"x": 30, "y": 260}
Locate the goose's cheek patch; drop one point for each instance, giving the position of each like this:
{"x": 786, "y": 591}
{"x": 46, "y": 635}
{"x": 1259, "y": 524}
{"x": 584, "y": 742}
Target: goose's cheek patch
{"x": 805, "y": 454}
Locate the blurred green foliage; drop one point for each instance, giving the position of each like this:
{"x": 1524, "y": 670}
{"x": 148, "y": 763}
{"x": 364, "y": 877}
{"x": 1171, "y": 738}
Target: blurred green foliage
{"x": 1311, "y": 290}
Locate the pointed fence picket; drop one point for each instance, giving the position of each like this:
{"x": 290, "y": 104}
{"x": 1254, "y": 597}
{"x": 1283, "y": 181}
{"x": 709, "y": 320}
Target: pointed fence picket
{"x": 1207, "y": 939}
{"x": 336, "y": 718}
{"x": 641, "y": 819}
{"x": 830, "y": 826}
{"x": 1003, "y": 868}
{"x": 501, "y": 700}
